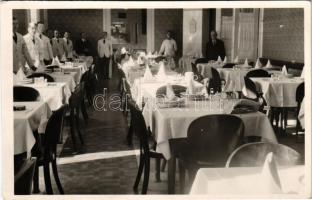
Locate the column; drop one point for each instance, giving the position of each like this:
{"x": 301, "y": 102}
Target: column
{"x": 150, "y": 32}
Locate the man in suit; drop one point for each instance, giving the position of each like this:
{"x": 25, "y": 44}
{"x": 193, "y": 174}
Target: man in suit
{"x": 83, "y": 46}
{"x": 20, "y": 51}
{"x": 58, "y": 45}
{"x": 214, "y": 47}
{"x": 45, "y": 45}
{"x": 68, "y": 46}
{"x": 33, "y": 44}
{"x": 105, "y": 51}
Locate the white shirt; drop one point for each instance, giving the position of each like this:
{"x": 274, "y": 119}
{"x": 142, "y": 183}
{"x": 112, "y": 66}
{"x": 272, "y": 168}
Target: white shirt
{"x": 58, "y": 47}
{"x": 104, "y": 49}
{"x": 168, "y": 47}
{"x": 68, "y": 47}
{"x": 33, "y": 48}
{"x": 45, "y": 47}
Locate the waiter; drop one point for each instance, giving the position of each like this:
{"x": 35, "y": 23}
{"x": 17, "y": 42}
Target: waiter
{"x": 105, "y": 51}
{"x": 214, "y": 47}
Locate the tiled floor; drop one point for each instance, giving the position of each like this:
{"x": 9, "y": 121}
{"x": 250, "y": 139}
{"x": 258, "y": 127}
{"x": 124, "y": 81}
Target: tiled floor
{"x": 107, "y": 165}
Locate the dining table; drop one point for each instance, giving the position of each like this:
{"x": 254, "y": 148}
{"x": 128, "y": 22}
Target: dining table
{"x": 70, "y": 78}
{"x": 34, "y": 117}
{"x": 247, "y": 181}
{"x": 80, "y": 67}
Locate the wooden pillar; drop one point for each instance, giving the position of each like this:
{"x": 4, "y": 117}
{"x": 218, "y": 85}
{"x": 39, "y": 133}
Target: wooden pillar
{"x": 150, "y": 32}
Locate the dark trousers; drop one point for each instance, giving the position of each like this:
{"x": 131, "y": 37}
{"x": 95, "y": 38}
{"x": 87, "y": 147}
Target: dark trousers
{"x": 103, "y": 67}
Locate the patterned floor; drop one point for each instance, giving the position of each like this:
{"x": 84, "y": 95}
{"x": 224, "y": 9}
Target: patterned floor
{"x": 107, "y": 165}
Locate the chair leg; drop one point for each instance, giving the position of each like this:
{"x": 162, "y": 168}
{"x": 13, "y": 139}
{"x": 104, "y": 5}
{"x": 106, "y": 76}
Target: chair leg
{"x": 72, "y": 129}
{"x": 146, "y": 175}
{"x": 157, "y": 167}
{"x": 138, "y": 177}
{"x": 130, "y": 134}
{"x": 84, "y": 112}
{"x": 36, "y": 180}
{"x": 163, "y": 165}
{"x": 181, "y": 177}
{"x": 56, "y": 177}
{"x": 78, "y": 126}
{"x": 47, "y": 179}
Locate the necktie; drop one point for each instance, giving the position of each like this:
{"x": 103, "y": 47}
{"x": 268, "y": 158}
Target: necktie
{"x": 15, "y": 38}
{"x": 33, "y": 40}
{"x": 51, "y": 41}
{"x": 103, "y": 41}
{"x": 67, "y": 42}
{"x": 57, "y": 40}
{"x": 40, "y": 36}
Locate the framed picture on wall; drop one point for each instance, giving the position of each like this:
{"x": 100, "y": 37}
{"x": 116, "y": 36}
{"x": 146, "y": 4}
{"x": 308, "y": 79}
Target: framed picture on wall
{"x": 118, "y": 33}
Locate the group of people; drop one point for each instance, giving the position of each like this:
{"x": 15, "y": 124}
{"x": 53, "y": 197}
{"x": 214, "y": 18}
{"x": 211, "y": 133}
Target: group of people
{"x": 35, "y": 49}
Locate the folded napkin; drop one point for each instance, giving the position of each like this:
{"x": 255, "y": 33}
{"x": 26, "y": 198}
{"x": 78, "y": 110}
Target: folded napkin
{"x": 169, "y": 92}
{"x": 242, "y": 106}
{"x": 246, "y": 63}
{"x": 236, "y": 60}
{"x": 190, "y": 87}
{"x": 149, "y": 54}
{"x": 258, "y": 64}
{"x": 219, "y": 59}
{"x": 56, "y": 61}
{"x": 20, "y": 75}
{"x": 148, "y": 74}
{"x": 123, "y": 50}
{"x": 302, "y": 72}
{"x": 284, "y": 70}
{"x": 204, "y": 90}
{"x": 37, "y": 63}
{"x": 268, "y": 65}
{"x": 161, "y": 73}
{"x": 63, "y": 59}
{"x": 269, "y": 178}
{"x": 225, "y": 60}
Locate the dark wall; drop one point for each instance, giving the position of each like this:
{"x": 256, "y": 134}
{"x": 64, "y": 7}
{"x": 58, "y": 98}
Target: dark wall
{"x": 77, "y": 21}
{"x": 21, "y": 16}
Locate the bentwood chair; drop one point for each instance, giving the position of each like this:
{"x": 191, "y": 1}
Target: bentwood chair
{"x": 146, "y": 153}
{"x": 229, "y": 65}
{"x": 299, "y": 99}
{"x": 210, "y": 140}
{"x": 44, "y": 75}
{"x": 85, "y": 79}
{"x": 215, "y": 81}
{"x": 258, "y": 73}
{"x": 49, "y": 143}
{"x": 75, "y": 102}
{"x": 251, "y": 87}
{"x": 24, "y": 178}
{"x": 22, "y": 93}
{"x": 254, "y": 155}
{"x": 177, "y": 89}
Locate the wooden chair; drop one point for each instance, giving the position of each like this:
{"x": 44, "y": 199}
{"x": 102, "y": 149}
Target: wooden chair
{"x": 251, "y": 86}
{"x": 229, "y": 65}
{"x": 299, "y": 99}
{"x": 44, "y": 75}
{"x": 49, "y": 143}
{"x": 146, "y": 153}
{"x": 254, "y": 155}
{"x": 22, "y": 93}
{"x": 24, "y": 178}
{"x": 258, "y": 73}
{"x": 210, "y": 140}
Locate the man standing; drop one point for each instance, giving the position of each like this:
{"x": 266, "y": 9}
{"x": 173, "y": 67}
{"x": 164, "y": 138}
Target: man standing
{"x": 20, "y": 51}
{"x": 33, "y": 44}
{"x": 83, "y": 46}
{"x": 214, "y": 47}
{"x": 169, "y": 46}
{"x": 105, "y": 51}
{"x": 68, "y": 46}
{"x": 58, "y": 45}
{"x": 45, "y": 45}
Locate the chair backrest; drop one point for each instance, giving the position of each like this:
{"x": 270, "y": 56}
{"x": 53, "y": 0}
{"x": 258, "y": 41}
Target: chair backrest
{"x": 24, "y": 177}
{"x": 52, "y": 67}
{"x": 77, "y": 96}
{"x": 21, "y": 93}
{"x": 46, "y": 76}
{"x": 177, "y": 89}
{"x": 254, "y": 154}
{"x": 229, "y": 65}
{"x": 215, "y": 81}
{"x": 300, "y": 93}
{"x": 251, "y": 86}
{"x": 201, "y": 60}
{"x": 258, "y": 73}
{"x": 212, "y": 138}
{"x": 85, "y": 76}
{"x": 139, "y": 126}
{"x": 54, "y": 128}
{"x": 126, "y": 86}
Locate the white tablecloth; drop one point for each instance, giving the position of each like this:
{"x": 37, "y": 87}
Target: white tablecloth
{"x": 279, "y": 93}
{"x": 69, "y": 79}
{"x": 301, "y": 114}
{"x": 234, "y": 78}
{"x": 80, "y": 68}
{"x": 35, "y": 117}
{"x": 168, "y": 123}
{"x": 245, "y": 181}
{"x": 205, "y": 68}
{"x": 55, "y": 94}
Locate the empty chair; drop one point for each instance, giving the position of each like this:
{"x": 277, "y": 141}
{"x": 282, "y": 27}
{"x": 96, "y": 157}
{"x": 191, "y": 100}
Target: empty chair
{"x": 215, "y": 81}
{"x": 201, "y": 60}
{"x": 258, "y": 73}
{"x": 45, "y": 76}
{"x": 229, "y": 65}
{"x": 140, "y": 129}
{"x": 85, "y": 79}
{"x": 254, "y": 154}
{"x": 210, "y": 140}
{"x": 75, "y": 102}
{"x": 177, "y": 89}
{"x": 194, "y": 67}
{"x": 22, "y": 93}
{"x": 299, "y": 99}
{"x": 50, "y": 140}
{"x": 257, "y": 95}
{"x": 24, "y": 178}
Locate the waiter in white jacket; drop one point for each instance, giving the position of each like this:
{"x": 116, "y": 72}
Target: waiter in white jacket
{"x": 45, "y": 45}
{"x": 58, "y": 45}
{"x": 105, "y": 51}
{"x": 68, "y": 46}
{"x": 33, "y": 44}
